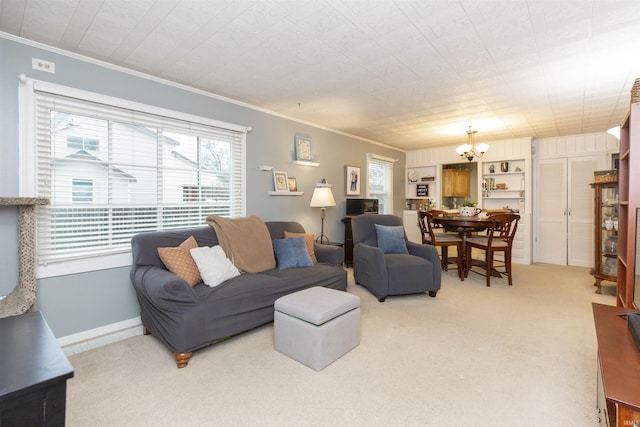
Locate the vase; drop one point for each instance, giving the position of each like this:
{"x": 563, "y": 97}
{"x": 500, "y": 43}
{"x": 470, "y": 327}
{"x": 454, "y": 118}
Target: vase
{"x": 468, "y": 211}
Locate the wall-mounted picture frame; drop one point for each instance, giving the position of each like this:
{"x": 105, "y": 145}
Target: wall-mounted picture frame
{"x": 304, "y": 149}
{"x": 293, "y": 184}
{"x": 352, "y": 180}
{"x": 422, "y": 190}
{"x": 280, "y": 181}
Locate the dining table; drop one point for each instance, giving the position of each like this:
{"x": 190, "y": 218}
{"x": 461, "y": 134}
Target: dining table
{"x": 465, "y": 226}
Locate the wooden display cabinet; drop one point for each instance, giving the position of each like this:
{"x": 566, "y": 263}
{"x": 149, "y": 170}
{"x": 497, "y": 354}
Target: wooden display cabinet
{"x": 629, "y": 202}
{"x": 605, "y": 224}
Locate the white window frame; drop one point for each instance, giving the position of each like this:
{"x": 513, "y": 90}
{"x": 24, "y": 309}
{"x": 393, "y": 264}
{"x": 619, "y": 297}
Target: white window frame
{"x": 372, "y": 156}
{"x": 27, "y": 168}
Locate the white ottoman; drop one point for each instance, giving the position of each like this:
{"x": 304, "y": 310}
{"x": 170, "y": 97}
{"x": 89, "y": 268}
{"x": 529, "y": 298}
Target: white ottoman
{"x": 317, "y": 325}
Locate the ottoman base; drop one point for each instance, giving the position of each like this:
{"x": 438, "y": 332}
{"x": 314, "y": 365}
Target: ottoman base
{"x": 316, "y": 346}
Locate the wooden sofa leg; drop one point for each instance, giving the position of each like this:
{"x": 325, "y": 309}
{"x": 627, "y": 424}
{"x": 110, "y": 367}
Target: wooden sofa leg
{"x": 182, "y": 358}
{"x": 146, "y": 332}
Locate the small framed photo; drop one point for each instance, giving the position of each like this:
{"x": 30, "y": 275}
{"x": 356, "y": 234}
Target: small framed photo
{"x": 293, "y": 185}
{"x": 280, "y": 181}
{"x": 304, "y": 150}
{"x": 352, "y": 180}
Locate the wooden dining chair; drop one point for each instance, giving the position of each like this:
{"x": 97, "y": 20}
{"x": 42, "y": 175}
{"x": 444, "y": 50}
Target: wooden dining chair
{"x": 499, "y": 238}
{"x": 440, "y": 239}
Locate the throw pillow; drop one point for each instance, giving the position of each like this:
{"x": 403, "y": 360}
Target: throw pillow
{"x": 291, "y": 253}
{"x": 308, "y": 240}
{"x": 178, "y": 260}
{"x": 214, "y": 265}
{"x": 391, "y": 239}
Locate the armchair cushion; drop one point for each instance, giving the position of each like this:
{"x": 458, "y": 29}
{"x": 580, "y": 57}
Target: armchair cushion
{"x": 391, "y": 239}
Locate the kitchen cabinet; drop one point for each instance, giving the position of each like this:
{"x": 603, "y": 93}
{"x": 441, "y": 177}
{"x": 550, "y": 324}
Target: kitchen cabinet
{"x": 605, "y": 224}
{"x": 411, "y": 226}
{"x": 455, "y": 183}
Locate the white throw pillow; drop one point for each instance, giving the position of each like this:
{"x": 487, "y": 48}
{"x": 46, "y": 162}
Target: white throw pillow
{"x": 214, "y": 265}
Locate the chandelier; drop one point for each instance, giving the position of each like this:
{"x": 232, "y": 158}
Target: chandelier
{"x": 470, "y": 149}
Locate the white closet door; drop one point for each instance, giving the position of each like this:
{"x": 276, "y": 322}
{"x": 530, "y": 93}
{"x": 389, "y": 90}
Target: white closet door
{"x": 581, "y": 210}
{"x": 565, "y": 210}
{"x": 551, "y": 247}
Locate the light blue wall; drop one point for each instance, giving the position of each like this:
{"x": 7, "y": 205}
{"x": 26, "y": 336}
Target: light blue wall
{"x": 80, "y": 302}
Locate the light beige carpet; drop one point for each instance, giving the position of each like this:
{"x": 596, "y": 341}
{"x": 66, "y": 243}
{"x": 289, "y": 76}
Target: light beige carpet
{"x": 473, "y": 356}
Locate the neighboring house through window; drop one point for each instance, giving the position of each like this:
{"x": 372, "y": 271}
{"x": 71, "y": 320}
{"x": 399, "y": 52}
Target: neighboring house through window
{"x": 380, "y": 182}
{"x": 82, "y": 190}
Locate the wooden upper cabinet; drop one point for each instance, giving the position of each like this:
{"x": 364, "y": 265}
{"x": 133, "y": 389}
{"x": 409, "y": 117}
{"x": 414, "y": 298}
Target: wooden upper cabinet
{"x": 455, "y": 183}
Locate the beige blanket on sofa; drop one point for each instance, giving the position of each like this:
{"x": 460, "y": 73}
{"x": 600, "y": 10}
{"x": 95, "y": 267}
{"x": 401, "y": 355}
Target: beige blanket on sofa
{"x": 246, "y": 242}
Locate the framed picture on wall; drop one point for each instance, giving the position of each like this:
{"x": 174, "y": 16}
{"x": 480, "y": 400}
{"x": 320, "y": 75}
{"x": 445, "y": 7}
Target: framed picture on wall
{"x": 352, "y": 180}
{"x": 304, "y": 150}
{"x": 293, "y": 185}
{"x": 280, "y": 181}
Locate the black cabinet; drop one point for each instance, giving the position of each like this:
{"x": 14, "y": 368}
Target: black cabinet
{"x": 33, "y": 373}
{"x": 348, "y": 242}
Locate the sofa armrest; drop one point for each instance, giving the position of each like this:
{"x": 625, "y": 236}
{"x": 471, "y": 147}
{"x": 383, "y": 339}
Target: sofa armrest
{"x": 329, "y": 254}
{"x": 161, "y": 288}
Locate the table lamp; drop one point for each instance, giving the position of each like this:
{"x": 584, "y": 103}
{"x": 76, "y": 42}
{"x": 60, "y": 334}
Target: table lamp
{"x": 322, "y": 197}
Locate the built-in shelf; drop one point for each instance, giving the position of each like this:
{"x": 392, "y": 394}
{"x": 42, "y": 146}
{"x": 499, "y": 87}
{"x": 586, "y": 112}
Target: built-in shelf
{"x": 285, "y": 193}
{"x": 305, "y": 163}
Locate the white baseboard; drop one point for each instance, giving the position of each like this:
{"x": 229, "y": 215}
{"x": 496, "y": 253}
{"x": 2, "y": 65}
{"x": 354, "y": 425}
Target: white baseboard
{"x": 94, "y": 338}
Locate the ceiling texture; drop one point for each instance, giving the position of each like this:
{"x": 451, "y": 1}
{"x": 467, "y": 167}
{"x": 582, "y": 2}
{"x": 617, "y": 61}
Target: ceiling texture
{"x": 410, "y": 74}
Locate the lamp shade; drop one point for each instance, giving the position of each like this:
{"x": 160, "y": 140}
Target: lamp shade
{"x": 322, "y": 196}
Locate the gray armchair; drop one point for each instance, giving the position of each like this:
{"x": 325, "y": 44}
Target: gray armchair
{"x": 393, "y": 273}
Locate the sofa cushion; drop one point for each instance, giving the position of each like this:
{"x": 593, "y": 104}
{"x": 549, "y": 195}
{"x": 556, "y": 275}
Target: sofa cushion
{"x": 213, "y": 264}
{"x": 291, "y": 253}
{"x": 308, "y": 240}
{"x": 391, "y": 239}
{"x": 178, "y": 260}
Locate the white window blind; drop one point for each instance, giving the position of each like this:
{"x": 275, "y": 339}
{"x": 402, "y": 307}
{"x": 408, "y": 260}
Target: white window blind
{"x": 112, "y": 172}
{"x": 380, "y": 182}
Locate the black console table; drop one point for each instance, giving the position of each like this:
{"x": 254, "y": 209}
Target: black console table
{"x": 33, "y": 373}
{"x": 348, "y": 242}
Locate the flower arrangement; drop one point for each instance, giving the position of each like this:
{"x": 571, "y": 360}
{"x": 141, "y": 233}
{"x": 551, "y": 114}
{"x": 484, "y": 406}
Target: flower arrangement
{"x": 468, "y": 203}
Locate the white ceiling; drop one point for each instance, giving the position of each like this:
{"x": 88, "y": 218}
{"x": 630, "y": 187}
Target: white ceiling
{"x": 406, "y": 73}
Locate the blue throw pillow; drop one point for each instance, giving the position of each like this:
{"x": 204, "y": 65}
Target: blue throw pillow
{"x": 292, "y": 253}
{"x": 391, "y": 239}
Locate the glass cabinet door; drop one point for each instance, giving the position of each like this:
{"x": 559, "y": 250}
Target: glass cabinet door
{"x": 606, "y": 233}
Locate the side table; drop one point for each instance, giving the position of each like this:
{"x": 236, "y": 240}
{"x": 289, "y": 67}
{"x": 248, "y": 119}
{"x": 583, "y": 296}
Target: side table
{"x": 33, "y": 373}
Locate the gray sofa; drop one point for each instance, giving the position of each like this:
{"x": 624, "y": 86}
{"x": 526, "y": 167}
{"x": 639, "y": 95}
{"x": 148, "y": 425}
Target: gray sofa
{"x": 186, "y": 319}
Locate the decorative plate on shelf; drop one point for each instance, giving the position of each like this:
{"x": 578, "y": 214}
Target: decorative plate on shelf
{"x": 413, "y": 176}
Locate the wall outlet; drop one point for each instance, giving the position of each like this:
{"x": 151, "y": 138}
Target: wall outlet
{"x": 42, "y": 65}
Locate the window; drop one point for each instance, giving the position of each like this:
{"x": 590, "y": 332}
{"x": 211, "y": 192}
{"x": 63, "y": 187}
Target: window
{"x": 153, "y": 169}
{"x": 380, "y": 182}
{"x": 80, "y": 143}
{"x": 82, "y": 190}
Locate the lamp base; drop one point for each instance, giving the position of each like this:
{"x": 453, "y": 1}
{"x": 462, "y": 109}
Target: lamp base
{"x": 322, "y": 239}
